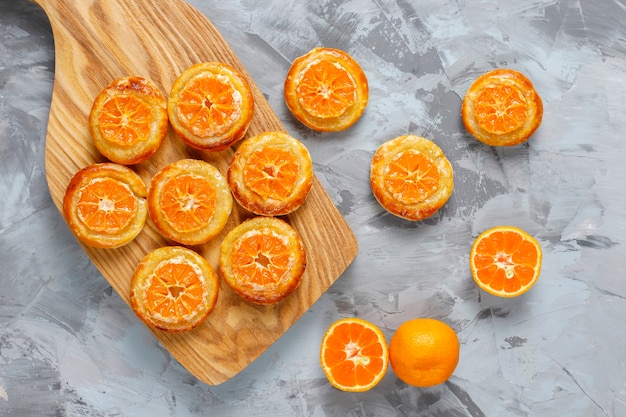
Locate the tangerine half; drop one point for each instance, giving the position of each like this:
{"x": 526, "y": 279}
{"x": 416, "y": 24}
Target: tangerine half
{"x": 326, "y": 90}
{"x": 104, "y": 205}
{"x": 263, "y": 259}
{"x": 128, "y": 120}
{"x": 210, "y": 106}
{"x": 189, "y": 201}
{"x": 173, "y": 289}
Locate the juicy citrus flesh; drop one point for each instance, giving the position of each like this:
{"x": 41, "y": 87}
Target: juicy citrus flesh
{"x": 272, "y": 173}
{"x": 188, "y": 202}
{"x": 411, "y": 177}
{"x": 326, "y": 89}
{"x": 208, "y": 105}
{"x": 125, "y": 120}
{"x": 354, "y": 355}
{"x": 106, "y": 205}
{"x": 261, "y": 258}
{"x": 505, "y": 261}
{"x": 500, "y": 109}
{"x": 424, "y": 352}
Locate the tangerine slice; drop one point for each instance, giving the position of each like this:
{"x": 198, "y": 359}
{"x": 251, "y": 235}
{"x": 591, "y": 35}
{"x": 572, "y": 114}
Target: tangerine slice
{"x": 411, "y": 177}
{"x": 128, "y": 120}
{"x": 354, "y": 355}
{"x": 189, "y": 201}
{"x": 210, "y": 106}
{"x": 104, "y": 205}
{"x": 173, "y": 289}
{"x": 271, "y": 174}
{"x": 263, "y": 259}
{"x": 505, "y": 261}
{"x": 326, "y": 90}
{"x": 502, "y": 108}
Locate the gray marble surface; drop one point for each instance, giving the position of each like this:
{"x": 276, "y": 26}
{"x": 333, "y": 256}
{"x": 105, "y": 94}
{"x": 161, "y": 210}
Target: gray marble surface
{"x": 70, "y": 346}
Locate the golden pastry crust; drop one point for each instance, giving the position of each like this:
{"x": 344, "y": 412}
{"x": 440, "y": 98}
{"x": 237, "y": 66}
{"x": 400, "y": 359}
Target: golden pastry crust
{"x": 263, "y": 260}
{"x": 502, "y": 108}
{"x": 210, "y": 106}
{"x": 326, "y": 90}
{"x": 189, "y": 201}
{"x": 271, "y": 174}
{"x": 173, "y": 289}
{"x": 128, "y": 120}
{"x": 411, "y": 177}
{"x": 105, "y": 205}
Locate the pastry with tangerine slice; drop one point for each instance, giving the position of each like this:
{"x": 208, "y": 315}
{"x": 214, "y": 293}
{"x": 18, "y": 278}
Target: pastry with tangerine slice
{"x": 263, "y": 259}
{"x": 502, "y": 108}
{"x": 210, "y": 106}
{"x": 326, "y": 90}
{"x": 105, "y": 205}
{"x": 173, "y": 289}
{"x": 128, "y": 120}
{"x": 411, "y": 177}
{"x": 189, "y": 201}
{"x": 271, "y": 174}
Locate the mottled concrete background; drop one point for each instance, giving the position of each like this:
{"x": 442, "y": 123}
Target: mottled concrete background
{"x": 70, "y": 346}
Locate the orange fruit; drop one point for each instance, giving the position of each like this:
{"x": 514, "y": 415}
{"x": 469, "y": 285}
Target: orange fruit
{"x": 326, "y": 90}
{"x": 263, "y": 259}
{"x": 189, "y": 201}
{"x": 271, "y": 174}
{"x": 173, "y": 289}
{"x": 210, "y": 106}
{"x": 505, "y": 261}
{"x": 104, "y": 205}
{"x": 411, "y": 177}
{"x": 128, "y": 120}
{"x": 502, "y": 108}
{"x": 354, "y": 355}
{"x": 424, "y": 352}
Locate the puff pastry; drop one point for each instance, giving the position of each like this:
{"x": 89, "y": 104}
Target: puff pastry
{"x": 128, "y": 120}
{"x": 326, "y": 90}
{"x": 105, "y": 205}
{"x": 502, "y": 108}
{"x": 411, "y": 177}
{"x": 210, "y": 106}
{"x": 263, "y": 259}
{"x": 189, "y": 201}
{"x": 173, "y": 289}
{"x": 271, "y": 174}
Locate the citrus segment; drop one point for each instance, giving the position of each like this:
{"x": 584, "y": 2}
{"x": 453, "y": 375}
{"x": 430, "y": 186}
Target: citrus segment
{"x": 263, "y": 259}
{"x": 128, "y": 120}
{"x": 411, "y": 177}
{"x": 210, "y": 106}
{"x": 505, "y": 261}
{"x": 271, "y": 174}
{"x": 189, "y": 201}
{"x": 174, "y": 289}
{"x": 354, "y": 355}
{"x": 104, "y": 205}
{"x": 424, "y": 352}
{"x": 326, "y": 90}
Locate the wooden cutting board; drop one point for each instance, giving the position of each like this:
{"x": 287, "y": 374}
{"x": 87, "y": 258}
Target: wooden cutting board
{"x": 97, "y": 41}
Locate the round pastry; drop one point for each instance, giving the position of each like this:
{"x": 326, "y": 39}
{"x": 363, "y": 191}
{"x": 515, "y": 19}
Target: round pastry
{"x": 189, "y": 201}
{"x": 105, "y": 205}
{"x": 128, "y": 120}
{"x": 210, "y": 106}
{"x": 326, "y": 90}
{"x": 411, "y": 177}
{"x": 263, "y": 259}
{"x": 173, "y": 289}
{"x": 502, "y": 108}
{"x": 271, "y": 174}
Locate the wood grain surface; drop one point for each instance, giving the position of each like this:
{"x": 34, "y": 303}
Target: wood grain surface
{"x": 98, "y": 41}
